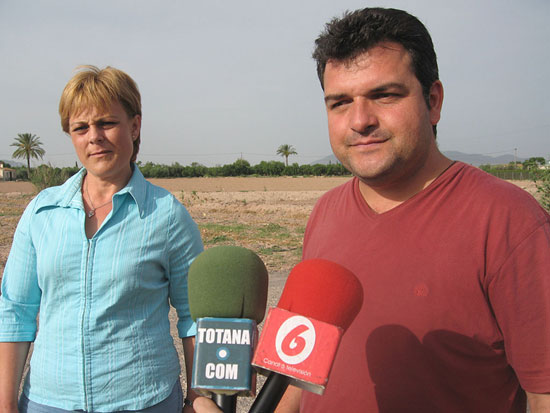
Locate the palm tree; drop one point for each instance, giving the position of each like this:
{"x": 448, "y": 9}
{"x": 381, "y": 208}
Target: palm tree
{"x": 28, "y": 146}
{"x": 286, "y": 150}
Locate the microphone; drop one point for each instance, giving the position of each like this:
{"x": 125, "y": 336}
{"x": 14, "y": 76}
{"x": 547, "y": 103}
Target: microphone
{"x": 301, "y": 335}
{"x": 227, "y": 288}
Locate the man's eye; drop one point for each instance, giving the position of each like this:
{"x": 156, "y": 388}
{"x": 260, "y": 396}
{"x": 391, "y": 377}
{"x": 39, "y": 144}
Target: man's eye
{"x": 338, "y": 104}
{"x": 80, "y": 128}
{"x": 386, "y": 96}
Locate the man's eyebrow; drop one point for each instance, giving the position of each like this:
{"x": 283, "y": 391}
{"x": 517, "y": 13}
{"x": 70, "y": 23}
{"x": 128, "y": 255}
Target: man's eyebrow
{"x": 392, "y": 85}
{"x": 400, "y": 87}
{"x": 335, "y": 97}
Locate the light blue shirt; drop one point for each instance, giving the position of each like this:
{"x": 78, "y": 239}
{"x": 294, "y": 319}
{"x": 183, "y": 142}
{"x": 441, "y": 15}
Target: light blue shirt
{"x": 104, "y": 340}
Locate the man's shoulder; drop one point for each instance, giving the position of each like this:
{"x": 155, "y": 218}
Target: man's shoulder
{"x": 343, "y": 191}
{"x": 479, "y": 191}
{"x": 489, "y": 187}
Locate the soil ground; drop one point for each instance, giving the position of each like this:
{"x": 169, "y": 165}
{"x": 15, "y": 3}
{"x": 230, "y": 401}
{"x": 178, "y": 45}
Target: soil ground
{"x": 266, "y": 215}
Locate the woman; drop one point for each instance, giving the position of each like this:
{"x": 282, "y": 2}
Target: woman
{"x": 99, "y": 259}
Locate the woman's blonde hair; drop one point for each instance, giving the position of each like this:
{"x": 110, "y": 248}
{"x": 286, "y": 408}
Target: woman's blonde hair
{"x": 100, "y": 88}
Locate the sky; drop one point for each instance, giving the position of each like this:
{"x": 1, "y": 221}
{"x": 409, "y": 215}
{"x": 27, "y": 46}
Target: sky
{"x": 223, "y": 80}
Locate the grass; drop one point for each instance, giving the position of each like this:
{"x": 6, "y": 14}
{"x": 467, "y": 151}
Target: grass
{"x": 216, "y": 232}
{"x": 223, "y": 234}
{"x": 272, "y": 228}
{"x": 219, "y": 239}
{"x": 276, "y": 244}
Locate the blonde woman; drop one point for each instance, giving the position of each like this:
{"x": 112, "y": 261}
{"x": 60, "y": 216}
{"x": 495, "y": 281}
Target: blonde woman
{"x": 99, "y": 260}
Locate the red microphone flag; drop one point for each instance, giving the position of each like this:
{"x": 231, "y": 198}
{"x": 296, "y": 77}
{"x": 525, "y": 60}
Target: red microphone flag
{"x": 301, "y": 335}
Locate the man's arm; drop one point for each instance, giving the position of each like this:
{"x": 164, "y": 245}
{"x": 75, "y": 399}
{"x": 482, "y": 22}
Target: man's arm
{"x": 290, "y": 402}
{"x": 538, "y": 402}
{"x": 188, "y": 353}
{"x": 12, "y": 360}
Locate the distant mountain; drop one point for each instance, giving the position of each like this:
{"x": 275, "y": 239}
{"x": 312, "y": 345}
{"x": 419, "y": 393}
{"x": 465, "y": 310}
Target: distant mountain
{"x": 326, "y": 160}
{"x": 477, "y": 159}
{"x": 12, "y": 163}
{"x": 472, "y": 159}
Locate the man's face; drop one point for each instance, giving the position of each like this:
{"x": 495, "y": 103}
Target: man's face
{"x": 380, "y": 126}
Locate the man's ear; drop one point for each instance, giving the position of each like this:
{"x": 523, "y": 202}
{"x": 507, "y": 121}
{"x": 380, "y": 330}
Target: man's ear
{"x": 436, "y": 101}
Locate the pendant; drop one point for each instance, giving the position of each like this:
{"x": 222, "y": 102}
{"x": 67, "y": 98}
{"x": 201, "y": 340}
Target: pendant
{"x": 91, "y": 213}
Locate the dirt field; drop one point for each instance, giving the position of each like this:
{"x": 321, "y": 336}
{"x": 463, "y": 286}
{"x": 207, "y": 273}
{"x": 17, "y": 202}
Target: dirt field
{"x": 267, "y": 215}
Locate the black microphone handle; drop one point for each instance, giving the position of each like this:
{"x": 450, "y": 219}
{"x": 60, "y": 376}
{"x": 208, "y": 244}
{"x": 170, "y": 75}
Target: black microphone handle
{"x": 228, "y": 404}
{"x": 271, "y": 394}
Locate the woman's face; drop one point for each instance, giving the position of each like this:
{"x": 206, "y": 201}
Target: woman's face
{"x": 103, "y": 141}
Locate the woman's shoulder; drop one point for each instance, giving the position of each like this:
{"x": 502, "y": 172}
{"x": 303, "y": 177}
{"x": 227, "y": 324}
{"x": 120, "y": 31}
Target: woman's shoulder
{"x": 61, "y": 194}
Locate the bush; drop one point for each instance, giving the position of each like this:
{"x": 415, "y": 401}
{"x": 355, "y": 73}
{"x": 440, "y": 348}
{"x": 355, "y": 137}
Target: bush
{"x": 271, "y": 168}
{"x": 195, "y": 170}
{"x": 45, "y": 176}
{"x": 542, "y": 180}
{"x": 21, "y": 173}
{"x": 336, "y": 169}
{"x": 292, "y": 170}
{"x": 240, "y": 167}
{"x": 319, "y": 169}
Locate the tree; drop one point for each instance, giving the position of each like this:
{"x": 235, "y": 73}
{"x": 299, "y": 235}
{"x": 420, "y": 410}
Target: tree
{"x": 534, "y": 163}
{"x": 285, "y": 151}
{"x": 271, "y": 168}
{"x": 542, "y": 181}
{"x": 28, "y": 146}
{"x": 240, "y": 167}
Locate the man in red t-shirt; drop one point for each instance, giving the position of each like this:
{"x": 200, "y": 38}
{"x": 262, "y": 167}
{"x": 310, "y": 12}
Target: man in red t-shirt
{"x": 454, "y": 263}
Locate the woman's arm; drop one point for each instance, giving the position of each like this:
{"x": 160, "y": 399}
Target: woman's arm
{"x": 188, "y": 353}
{"x": 12, "y": 360}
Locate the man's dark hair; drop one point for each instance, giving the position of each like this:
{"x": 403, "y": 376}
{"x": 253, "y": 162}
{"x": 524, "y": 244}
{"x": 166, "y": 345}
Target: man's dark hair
{"x": 356, "y": 32}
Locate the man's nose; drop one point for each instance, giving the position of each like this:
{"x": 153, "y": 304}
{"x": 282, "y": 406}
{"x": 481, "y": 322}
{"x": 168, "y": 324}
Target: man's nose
{"x": 363, "y": 116}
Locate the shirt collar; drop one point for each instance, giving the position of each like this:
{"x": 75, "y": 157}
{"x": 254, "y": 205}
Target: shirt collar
{"x": 69, "y": 195}
{"x": 137, "y": 188}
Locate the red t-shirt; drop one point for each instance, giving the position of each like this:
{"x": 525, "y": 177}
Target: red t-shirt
{"x": 456, "y": 311}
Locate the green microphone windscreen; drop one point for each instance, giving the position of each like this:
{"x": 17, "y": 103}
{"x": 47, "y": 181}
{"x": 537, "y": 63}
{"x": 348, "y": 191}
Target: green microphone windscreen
{"x": 228, "y": 282}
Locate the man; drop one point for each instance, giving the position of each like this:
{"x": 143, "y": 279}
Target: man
{"x": 455, "y": 264}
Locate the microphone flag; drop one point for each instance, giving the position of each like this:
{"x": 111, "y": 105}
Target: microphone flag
{"x": 223, "y": 353}
{"x": 298, "y": 347}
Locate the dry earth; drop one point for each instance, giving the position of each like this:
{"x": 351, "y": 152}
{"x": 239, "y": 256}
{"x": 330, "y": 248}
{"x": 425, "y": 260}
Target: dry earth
{"x": 267, "y": 215}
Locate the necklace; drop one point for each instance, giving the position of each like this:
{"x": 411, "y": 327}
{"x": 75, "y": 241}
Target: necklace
{"x": 91, "y": 212}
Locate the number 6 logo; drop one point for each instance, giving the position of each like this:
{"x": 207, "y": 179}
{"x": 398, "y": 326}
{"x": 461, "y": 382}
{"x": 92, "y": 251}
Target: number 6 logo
{"x": 295, "y": 340}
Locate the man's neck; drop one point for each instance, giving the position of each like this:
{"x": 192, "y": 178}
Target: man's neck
{"x": 382, "y": 197}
